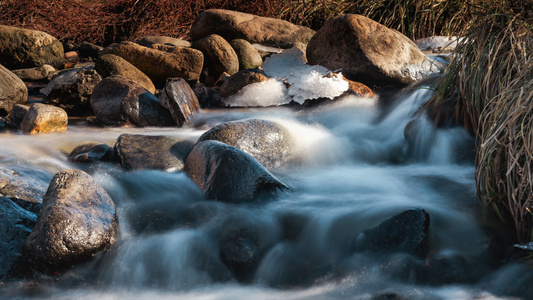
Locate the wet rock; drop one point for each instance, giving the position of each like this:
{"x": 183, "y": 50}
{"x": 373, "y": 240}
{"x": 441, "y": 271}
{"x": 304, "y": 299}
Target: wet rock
{"x": 90, "y": 50}
{"x": 207, "y": 96}
{"x": 110, "y": 64}
{"x": 406, "y": 232}
{"x": 237, "y": 25}
{"x": 24, "y": 183}
{"x": 12, "y": 91}
{"x": 148, "y": 41}
{"x": 24, "y": 48}
{"x": 183, "y": 62}
{"x": 152, "y": 152}
{"x": 239, "y": 80}
{"x": 72, "y": 90}
{"x": 36, "y": 73}
{"x": 180, "y": 100}
{"x": 269, "y": 143}
{"x": 368, "y": 52}
{"x": 227, "y": 174}
{"x": 449, "y": 267}
{"x": 16, "y": 224}
{"x": 91, "y": 152}
{"x": 405, "y": 268}
{"x": 17, "y": 113}
{"x": 239, "y": 251}
{"x": 77, "y": 220}
{"x": 249, "y": 58}
{"x": 118, "y": 100}
{"x": 219, "y": 55}
{"x": 43, "y": 118}
{"x": 358, "y": 89}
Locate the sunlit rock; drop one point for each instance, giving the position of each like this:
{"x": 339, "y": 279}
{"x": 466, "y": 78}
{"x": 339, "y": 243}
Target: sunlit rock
{"x": 110, "y": 64}
{"x": 35, "y": 73}
{"x": 43, "y": 118}
{"x": 12, "y": 91}
{"x": 249, "y": 58}
{"x": 219, "y": 55}
{"x": 91, "y": 152}
{"x": 149, "y": 41}
{"x": 178, "y": 97}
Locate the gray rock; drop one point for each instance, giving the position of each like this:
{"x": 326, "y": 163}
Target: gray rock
{"x": 180, "y": 100}
{"x": 227, "y": 174}
{"x": 237, "y": 25}
{"x": 249, "y": 58}
{"x": 24, "y": 48}
{"x": 118, "y": 100}
{"x": 110, "y": 64}
{"x": 24, "y": 183}
{"x": 12, "y": 91}
{"x": 269, "y": 143}
{"x": 43, "y": 118}
{"x": 36, "y": 73}
{"x": 219, "y": 55}
{"x": 77, "y": 220}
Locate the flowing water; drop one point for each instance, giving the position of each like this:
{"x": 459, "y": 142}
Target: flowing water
{"x": 356, "y": 170}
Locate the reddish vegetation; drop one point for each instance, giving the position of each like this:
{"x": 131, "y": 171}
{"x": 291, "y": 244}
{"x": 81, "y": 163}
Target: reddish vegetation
{"x": 107, "y": 21}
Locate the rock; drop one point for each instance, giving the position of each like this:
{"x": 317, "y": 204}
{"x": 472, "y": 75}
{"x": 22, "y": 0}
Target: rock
{"x": 16, "y": 224}
{"x": 36, "y": 73}
{"x": 78, "y": 219}
{"x": 237, "y": 25}
{"x": 241, "y": 79}
{"x": 219, "y": 55}
{"x": 118, "y": 100}
{"x": 438, "y": 44}
{"x": 449, "y": 267}
{"x": 151, "y": 152}
{"x": 24, "y": 183}
{"x": 89, "y": 50}
{"x": 12, "y": 90}
{"x": 240, "y": 252}
{"x": 43, "y": 118}
{"x": 23, "y": 48}
{"x": 71, "y": 58}
{"x": 406, "y": 232}
{"x": 358, "y": 89}
{"x": 91, "y": 152}
{"x": 180, "y": 100}
{"x": 207, "y": 97}
{"x": 269, "y": 143}
{"x": 17, "y": 113}
{"x": 227, "y": 174}
{"x": 72, "y": 90}
{"x": 368, "y": 52}
{"x": 182, "y": 62}
{"x": 110, "y": 64}
{"x": 249, "y": 58}
{"x": 148, "y": 41}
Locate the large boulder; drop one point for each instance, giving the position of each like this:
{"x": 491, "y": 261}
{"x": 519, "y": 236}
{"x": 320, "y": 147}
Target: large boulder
{"x": 249, "y": 57}
{"x": 269, "y": 143}
{"x": 118, "y": 100}
{"x": 227, "y": 174}
{"x": 180, "y": 100}
{"x": 219, "y": 55}
{"x": 237, "y": 25}
{"x": 78, "y": 219}
{"x": 151, "y": 152}
{"x": 72, "y": 90}
{"x": 110, "y": 64}
{"x": 23, "y": 48}
{"x": 43, "y": 118}
{"x": 368, "y": 52}
{"x": 12, "y": 91}
{"x": 159, "y": 65}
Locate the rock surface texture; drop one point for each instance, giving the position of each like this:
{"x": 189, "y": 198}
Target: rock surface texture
{"x": 219, "y": 55}
{"x": 248, "y": 56}
{"x": 110, "y": 64}
{"x": 12, "y": 90}
{"x": 180, "y": 100}
{"x": 43, "y": 118}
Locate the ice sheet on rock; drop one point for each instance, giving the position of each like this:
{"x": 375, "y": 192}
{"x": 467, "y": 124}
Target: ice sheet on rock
{"x": 269, "y": 93}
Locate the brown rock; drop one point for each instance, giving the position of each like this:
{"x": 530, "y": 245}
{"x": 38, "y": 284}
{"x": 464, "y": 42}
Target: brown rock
{"x": 367, "y": 51}
{"x": 12, "y": 90}
{"x": 182, "y": 62}
{"x": 238, "y": 81}
{"x": 148, "y": 41}
{"x": 180, "y": 100}
{"x": 110, "y": 64}
{"x": 219, "y": 55}
{"x": 17, "y": 113}
{"x": 35, "y": 74}
{"x": 237, "y": 25}
{"x": 42, "y": 118}
{"x": 249, "y": 58}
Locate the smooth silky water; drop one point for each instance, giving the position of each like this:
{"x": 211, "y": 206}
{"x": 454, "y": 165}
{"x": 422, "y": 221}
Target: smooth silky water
{"x": 355, "y": 170}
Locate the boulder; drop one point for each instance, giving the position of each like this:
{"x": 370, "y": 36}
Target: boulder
{"x": 110, "y": 64}
{"x": 16, "y": 224}
{"x": 227, "y": 174}
{"x": 148, "y": 41}
{"x": 35, "y": 73}
{"x": 24, "y": 183}
{"x": 239, "y": 80}
{"x": 118, "y": 100}
{"x": 24, "y": 48}
{"x": 269, "y": 143}
{"x": 368, "y": 52}
{"x": 219, "y": 55}
{"x": 180, "y": 100}
{"x": 159, "y": 65}
{"x": 12, "y": 90}
{"x": 237, "y": 25}
{"x": 78, "y": 219}
{"x": 151, "y": 152}
{"x": 249, "y": 58}
{"x": 43, "y": 118}
{"x": 72, "y": 90}
{"x": 91, "y": 152}
{"x": 89, "y": 50}
{"x": 406, "y": 232}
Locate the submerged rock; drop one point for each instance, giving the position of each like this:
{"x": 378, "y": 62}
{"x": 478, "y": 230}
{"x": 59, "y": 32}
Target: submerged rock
{"x": 219, "y": 55}
{"x": 269, "y": 143}
{"x": 91, "y": 152}
{"x": 12, "y": 91}
{"x": 43, "y": 118}
{"x": 110, "y": 64}
{"x": 227, "y": 174}
{"x": 180, "y": 100}
{"x": 77, "y": 220}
